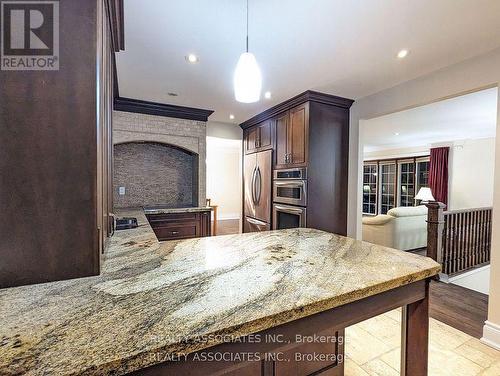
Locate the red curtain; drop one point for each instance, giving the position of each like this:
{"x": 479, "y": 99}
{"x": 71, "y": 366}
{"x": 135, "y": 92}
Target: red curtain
{"x": 438, "y": 174}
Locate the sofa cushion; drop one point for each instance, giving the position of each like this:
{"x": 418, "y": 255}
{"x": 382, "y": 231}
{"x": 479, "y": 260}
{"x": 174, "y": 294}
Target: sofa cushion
{"x": 378, "y": 220}
{"x": 408, "y": 211}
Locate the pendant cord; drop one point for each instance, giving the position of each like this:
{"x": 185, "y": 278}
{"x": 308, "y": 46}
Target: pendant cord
{"x": 247, "y": 25}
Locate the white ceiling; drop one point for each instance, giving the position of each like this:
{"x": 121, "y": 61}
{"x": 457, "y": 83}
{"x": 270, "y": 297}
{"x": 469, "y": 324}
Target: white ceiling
{"x": 342, "y": 47}
{"x": 470, "y": 116}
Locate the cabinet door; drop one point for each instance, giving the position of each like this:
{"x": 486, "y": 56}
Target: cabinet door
{"x": 264, "y": 138}
{"x": 298, "y": 135}
{"x": 281, "y": 125}
{"x": 250, "y": 140}
{"x": 205, "y": 224}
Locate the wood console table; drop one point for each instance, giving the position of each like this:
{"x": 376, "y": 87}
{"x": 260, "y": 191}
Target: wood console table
{"x": 214, "y": 209}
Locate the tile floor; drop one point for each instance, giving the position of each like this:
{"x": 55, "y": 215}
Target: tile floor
{"x": 373, "y": 348}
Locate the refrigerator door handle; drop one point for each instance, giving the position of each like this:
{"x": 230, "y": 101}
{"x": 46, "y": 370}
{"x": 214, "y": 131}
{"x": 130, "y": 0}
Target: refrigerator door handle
{"x": 252, "y": 184}
{"x": 258, "y": 186}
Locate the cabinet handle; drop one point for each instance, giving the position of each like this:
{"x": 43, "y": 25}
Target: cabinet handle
{"x": 175, "y": 232}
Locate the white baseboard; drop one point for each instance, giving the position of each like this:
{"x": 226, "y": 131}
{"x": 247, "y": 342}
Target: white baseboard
{"x": 468, "y": 273}
{"x": 491, "y": 335}
{"x": 222, "y": 217}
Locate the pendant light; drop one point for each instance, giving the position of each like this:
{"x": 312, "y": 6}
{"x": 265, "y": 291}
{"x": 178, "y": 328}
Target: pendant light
{"x": 247, "y": 78}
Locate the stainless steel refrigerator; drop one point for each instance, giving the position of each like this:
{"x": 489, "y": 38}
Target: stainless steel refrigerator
{"x": 257, "y": 191}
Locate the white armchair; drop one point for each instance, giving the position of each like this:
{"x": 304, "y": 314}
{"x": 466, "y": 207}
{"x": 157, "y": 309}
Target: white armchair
{"x": 402, "y": 228}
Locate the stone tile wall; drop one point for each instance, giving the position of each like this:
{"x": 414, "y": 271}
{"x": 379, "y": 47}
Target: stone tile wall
{"x": 189, "y": 135}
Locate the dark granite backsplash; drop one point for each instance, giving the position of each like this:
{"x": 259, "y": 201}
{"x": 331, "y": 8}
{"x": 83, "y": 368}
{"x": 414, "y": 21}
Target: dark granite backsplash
{"x": 154, "y": 174}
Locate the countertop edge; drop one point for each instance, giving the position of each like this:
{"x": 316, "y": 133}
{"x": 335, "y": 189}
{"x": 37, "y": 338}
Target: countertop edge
{"x": 135, "y": 362}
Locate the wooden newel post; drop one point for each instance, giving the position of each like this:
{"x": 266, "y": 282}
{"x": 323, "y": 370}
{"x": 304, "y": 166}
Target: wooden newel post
{"x": 435, "y": 226}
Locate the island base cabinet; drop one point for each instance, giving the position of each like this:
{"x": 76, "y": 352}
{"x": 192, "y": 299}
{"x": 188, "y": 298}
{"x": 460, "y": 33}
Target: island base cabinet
{"x": 180, "y": 225}
{"x": 263, "y": 354}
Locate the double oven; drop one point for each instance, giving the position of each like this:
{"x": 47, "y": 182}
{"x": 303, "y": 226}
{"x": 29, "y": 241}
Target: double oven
{"x": 289, "y": 198}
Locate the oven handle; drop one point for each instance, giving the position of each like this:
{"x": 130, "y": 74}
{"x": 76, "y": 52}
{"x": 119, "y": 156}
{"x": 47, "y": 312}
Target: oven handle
{"x": 299, "y": 183}
{"x": 288, "y": 209}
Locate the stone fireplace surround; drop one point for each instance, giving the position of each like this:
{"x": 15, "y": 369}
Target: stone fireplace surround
{"x": 186, "y": 134}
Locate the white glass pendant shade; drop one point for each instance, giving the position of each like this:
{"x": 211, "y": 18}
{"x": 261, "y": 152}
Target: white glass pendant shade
{"x": 247, "y": 79}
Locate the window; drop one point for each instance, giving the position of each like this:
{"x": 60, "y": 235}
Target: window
{"x": 370, "y": 189}
{"x": 423, "y": 173}
{"x": 423, "y": 166}
{"x": 387, "y": 187}
{"x": 407, "y": 183}
{"x": 388, "y": 183}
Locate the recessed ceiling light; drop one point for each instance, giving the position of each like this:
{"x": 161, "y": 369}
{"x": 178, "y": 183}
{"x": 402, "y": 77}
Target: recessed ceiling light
{"x": 403, "y": 53}
{"x": 192, "y": 58}
{"x": 231, "y": 117}
{"x": 396, "y": 133}
{"x": 267, "y": 95}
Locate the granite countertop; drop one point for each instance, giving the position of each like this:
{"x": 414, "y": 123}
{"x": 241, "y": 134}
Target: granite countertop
{"x": 161, "y": 298}
{"x": 167, "y": 210}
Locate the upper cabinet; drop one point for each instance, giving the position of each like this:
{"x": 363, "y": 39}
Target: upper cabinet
{"x": 281, "y": 125}
{"x": 258, "y": 137}
{"x": 292, "y": 130}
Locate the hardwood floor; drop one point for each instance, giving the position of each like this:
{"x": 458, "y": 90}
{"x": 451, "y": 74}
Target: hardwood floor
{"x": 457, "y": 306}
{"x": 461, "y": 308}
{"x": 228, "y": 226}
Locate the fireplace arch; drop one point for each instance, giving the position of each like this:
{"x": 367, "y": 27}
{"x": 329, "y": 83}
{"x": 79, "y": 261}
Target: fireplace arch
{"x": 149, "y": 173}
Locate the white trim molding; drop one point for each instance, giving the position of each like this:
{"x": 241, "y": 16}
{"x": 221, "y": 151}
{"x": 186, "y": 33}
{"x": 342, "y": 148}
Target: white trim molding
{"x": 491, "y": 335}
{"x": 226, "y": 216}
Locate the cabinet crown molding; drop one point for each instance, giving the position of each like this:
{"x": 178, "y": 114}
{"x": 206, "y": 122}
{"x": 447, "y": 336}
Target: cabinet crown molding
{"x": 160, "y": 109}
{"x": 306, "y": 96}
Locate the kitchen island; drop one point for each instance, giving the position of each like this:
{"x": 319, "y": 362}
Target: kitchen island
{"x": 157, "y": 305}
{"x": 179, "y": 223}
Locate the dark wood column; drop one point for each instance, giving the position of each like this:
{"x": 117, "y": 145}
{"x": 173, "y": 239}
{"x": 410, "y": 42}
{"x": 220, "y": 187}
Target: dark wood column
{"x": 415, "y": 337}
{"x": 435, "y": 226}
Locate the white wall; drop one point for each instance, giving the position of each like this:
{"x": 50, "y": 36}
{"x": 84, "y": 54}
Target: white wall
{"x": 226, "y": 131}
{"x": 491, "y": 332}
{"x": 224, "y": 142}
{"x": 415, "y": 151}
{"x": 471, "y": 170}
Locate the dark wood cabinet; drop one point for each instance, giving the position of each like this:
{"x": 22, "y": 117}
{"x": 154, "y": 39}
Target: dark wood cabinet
{"x": 292, "y": 137}
{"x": 180, "y": 225}
{"x": 281, "y": 125}
{"x": 298, "y": 139}
{"x": 250, "y": 140}
{"x": 258, "y": 137}
{"x": 314, "y": 358}
{"x": 265, "y": 135}
{"x": 311, "y": 131}
{"x": 273, "y": 352}
{"x": 56, "y": 152}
